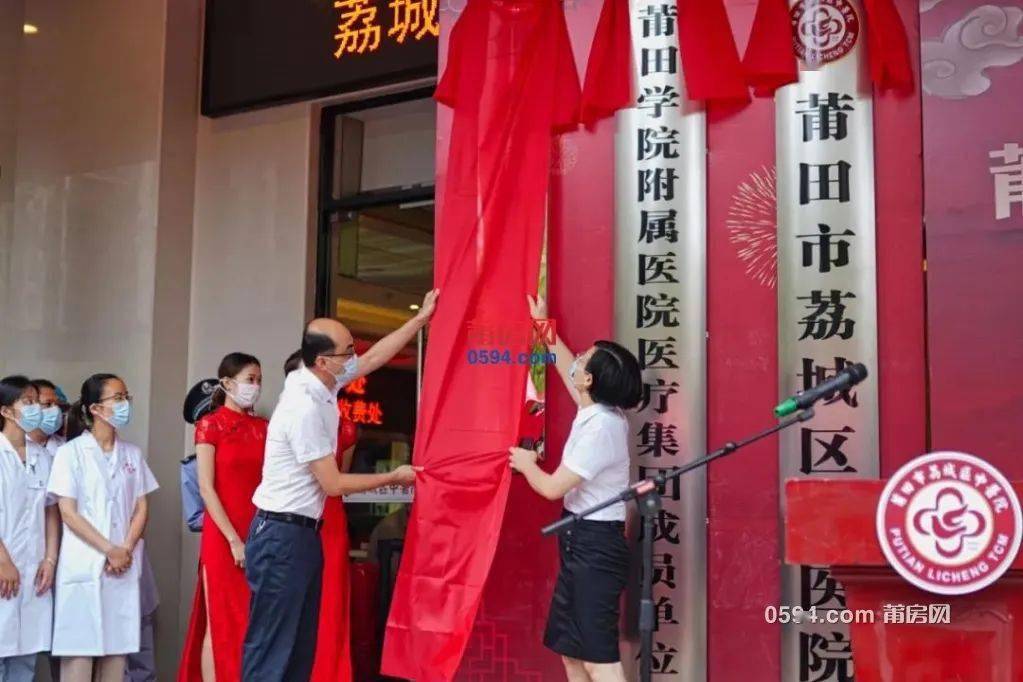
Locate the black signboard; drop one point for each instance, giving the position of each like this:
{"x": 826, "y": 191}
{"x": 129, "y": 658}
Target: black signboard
{"x": 263, "y": 52}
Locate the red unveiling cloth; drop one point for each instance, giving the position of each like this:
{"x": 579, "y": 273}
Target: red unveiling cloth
{"x": 608, "y": 84}
{"x": 770, "y": 61}
{"x": 888, "y": 47}
{"x": 511, "y": 81}
{"x": 710, "y": 60}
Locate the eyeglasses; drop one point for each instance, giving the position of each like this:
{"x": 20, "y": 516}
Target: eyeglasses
{"x": 127, "y": 397}
{"x": 338, "y": 355}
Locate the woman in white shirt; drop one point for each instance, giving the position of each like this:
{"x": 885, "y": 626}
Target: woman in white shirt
{"x": 29, "y": 533}
{"x": 101, "y": 483}
{"x": 582, "y": 624}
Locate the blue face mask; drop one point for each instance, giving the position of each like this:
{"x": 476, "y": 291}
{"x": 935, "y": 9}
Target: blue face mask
{"x": 348, "y": 372}
{"x": 31, "y": 416}
{"x": 120, "y": 416}
{"x": 51, "y": 420}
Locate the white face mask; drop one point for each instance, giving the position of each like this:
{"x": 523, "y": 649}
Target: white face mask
{"x": 246, "y": 395}
{"x": 577, "y": 373}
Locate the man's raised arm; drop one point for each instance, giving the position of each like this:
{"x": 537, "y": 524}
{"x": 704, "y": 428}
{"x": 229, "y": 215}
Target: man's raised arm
{"x": 389, "y": 346}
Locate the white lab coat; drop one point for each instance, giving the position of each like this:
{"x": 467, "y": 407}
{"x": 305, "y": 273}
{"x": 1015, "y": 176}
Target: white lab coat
{"x": 53, "y": 443}
{"x": 26, "y": 621}
{"x": 97, "y": 614}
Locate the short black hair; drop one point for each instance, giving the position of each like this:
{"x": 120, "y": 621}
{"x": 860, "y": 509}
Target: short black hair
{"x": 231, "y": 366}
{"x": 11, "y": 390}
{"x": 40, "y": 384}
{"x": 315, "y": 344}
{"x": 62, "y": 400}
{"x": 617, "y": 379}
{"x": 293, "y": 362}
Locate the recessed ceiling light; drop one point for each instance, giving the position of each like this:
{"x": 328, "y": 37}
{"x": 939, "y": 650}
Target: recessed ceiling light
{"x": 414, "y": 306}
{"x": 30, "y": 29}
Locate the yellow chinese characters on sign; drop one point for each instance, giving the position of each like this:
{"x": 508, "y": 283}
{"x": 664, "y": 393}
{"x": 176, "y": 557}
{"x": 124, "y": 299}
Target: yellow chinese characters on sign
{"x": 358, "y": 31}
{"x": 417, "y": 18}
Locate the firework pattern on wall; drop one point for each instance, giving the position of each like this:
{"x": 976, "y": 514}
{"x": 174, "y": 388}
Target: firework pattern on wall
{"x": 753, "y": 225}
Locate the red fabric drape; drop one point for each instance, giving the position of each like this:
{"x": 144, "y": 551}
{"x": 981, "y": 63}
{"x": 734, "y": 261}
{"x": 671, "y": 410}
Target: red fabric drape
{"x": 888, "y": 47}
{"x": 511, "y": 81}
{"x": 608, "y": 84}
{"x": 710, "y": 61}
{"x": 770, "y": 61}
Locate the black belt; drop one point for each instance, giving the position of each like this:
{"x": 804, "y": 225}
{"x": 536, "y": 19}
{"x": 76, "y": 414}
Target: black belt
{"x": 288, "y": 517}
{"x": 596, "y": 524}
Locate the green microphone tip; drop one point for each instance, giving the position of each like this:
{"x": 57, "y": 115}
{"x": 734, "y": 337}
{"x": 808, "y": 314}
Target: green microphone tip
{"x": 786, "y": 408}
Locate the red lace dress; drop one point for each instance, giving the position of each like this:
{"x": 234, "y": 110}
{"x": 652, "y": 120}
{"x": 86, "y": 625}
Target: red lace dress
{"x": 333, "y": 642}
{"x": 239, "y": 440}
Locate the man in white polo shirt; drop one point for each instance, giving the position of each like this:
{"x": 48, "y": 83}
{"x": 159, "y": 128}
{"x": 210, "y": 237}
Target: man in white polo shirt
{"x": 283, "y": 556}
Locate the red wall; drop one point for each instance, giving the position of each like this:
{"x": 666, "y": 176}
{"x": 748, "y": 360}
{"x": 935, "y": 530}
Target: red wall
{"x": 744, "y": 527}
{"x": 743, "y": 530}
{"x": 974, "y": 278}
{"x": 900, "y": 277}
{"x": 743, "y": 558}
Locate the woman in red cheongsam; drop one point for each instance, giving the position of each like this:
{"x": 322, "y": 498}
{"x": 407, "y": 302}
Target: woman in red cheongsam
{"x": 229, "y": 448}
{"x": 333, "y": 641}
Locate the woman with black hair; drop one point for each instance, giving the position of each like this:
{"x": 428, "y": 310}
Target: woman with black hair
{"x": 582, "y": 624}
{"x": 229, "y": 444}
{"x": 101, "y": 483}
{"x": 29, "y": 534}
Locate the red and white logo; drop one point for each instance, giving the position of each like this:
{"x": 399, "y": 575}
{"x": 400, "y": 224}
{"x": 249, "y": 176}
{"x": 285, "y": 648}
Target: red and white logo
{"x": 824, "y": 30}
{"x": 949, "y": 523}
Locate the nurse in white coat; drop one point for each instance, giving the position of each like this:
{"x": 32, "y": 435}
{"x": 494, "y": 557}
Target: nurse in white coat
{"x": 101, "y": 483}
{"x": 29, "y": 532}
{"x": 51, "y": 427}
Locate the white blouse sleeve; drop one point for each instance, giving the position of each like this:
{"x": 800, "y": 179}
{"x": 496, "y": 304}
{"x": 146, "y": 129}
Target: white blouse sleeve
{"x": 147, "y": 479}
{"x": 62, "y": 481}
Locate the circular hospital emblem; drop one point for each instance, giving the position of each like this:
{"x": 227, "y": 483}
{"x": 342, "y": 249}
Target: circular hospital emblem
{"x": 824, "y": 30}
{"x": 949, "y": 523}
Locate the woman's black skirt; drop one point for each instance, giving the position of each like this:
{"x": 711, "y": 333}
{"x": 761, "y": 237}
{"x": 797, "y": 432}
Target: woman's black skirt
{"x": 583, "y": 621}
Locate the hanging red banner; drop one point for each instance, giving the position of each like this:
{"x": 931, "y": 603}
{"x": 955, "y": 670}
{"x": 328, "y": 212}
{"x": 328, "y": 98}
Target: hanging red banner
{"x": 511, "y": 81}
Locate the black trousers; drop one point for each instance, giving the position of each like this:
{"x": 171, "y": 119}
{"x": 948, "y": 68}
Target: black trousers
{"x": 284, "y": 568}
